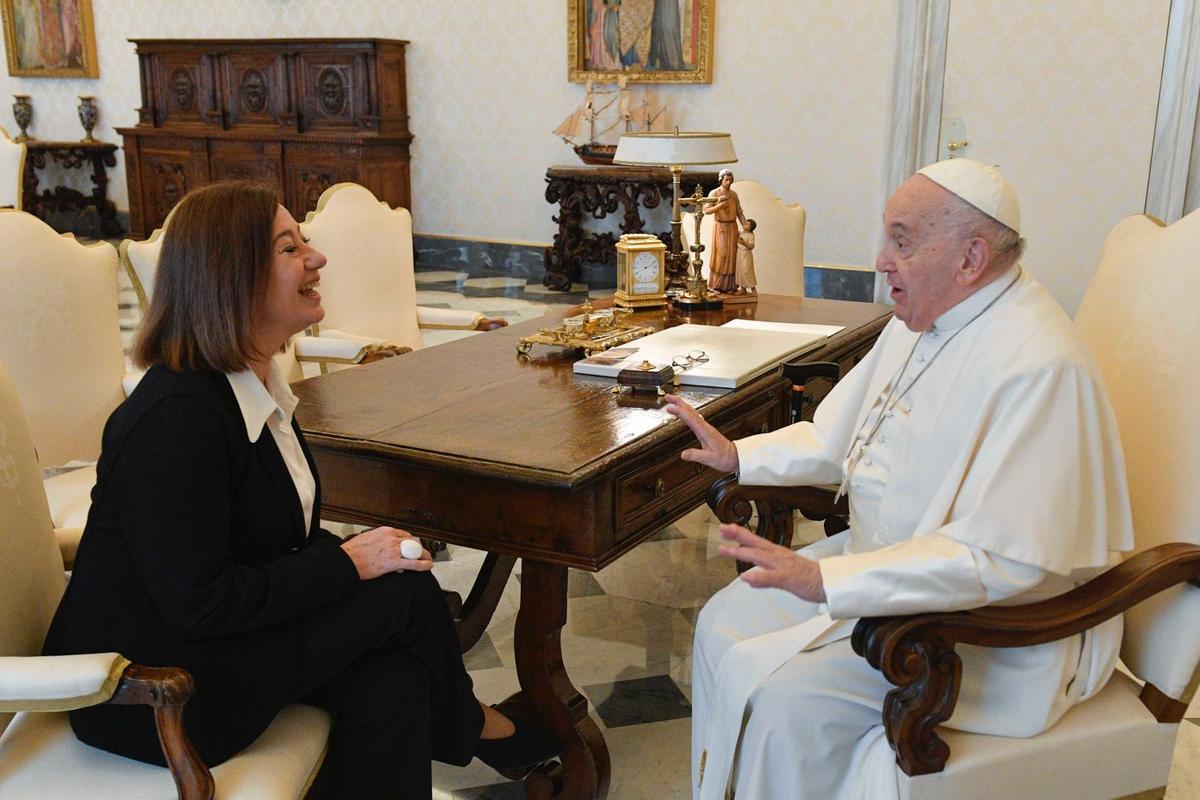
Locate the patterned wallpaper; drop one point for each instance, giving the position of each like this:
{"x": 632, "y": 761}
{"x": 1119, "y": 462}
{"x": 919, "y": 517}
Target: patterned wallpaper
{"x": 1061, "y": 94}
{"x": 801, "y": 84}
{"x": 1063, "y": 97}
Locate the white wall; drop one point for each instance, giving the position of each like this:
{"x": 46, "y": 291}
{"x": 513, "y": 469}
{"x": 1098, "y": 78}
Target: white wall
{"x": 1062, "y": 95}
{"x": 801, "y": 84}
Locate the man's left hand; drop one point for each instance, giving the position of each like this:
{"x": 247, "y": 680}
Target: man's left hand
{"x": 778, "y": 567}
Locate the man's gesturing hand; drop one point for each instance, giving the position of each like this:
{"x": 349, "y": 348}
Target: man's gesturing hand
{"x": 715, "y": 450}
{"x": 778, "y": 567}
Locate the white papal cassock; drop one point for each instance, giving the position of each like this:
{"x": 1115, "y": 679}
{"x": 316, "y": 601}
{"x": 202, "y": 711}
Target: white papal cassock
{"x": 997, "y": 477}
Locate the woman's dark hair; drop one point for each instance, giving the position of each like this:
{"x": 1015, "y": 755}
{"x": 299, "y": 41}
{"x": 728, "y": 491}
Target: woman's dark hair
{"x": 212, "y": 272}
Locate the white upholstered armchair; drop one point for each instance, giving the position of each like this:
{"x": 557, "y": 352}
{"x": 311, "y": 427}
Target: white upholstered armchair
{"x": 778, "y": 239}
{"x": 1139, "y": 319}
{"x": 368, "y": 285}
{"x": 61, "y": 342}
{"x": 39, "y": 756}
{"x": 12, "y": 171}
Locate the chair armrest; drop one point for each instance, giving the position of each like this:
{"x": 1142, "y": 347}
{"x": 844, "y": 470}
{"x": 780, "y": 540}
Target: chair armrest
{"x": 166, "y": 690}
{"x": 68, "y": 544}
{"x": 916, "y": 653}
{"x": 64, "y": 683}
{"x": 734, "y": 502}
{"x": 457, "y": 319}
{"x": 330, "y": 349}
{"x": 59, "y": 683}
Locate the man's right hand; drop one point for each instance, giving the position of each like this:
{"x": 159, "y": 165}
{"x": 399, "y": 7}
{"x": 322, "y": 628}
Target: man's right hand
{"x": 715, "y": 450}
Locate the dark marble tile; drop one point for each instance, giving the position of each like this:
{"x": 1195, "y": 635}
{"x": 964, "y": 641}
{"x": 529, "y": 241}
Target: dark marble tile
{"x": 434, "y": 305}
{"x": 512, "y": 790}
{"x": 583, "y": 584}
{"x": 638, "y": 700}
{"x": 839, "y": 284}
{"x": 483, "y": 655}
{"x": 496, "y": 258}
{"x": 1193, "y": 721}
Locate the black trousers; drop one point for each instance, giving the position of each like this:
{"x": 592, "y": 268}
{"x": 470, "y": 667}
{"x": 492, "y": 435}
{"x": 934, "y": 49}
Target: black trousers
{"x": 385, "y": 663}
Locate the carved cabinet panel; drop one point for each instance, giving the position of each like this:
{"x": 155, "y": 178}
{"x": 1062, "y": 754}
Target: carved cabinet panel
{"x": 299, "y": 114}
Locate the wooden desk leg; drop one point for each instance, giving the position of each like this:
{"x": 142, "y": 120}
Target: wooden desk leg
{"x": 547, "y": 690}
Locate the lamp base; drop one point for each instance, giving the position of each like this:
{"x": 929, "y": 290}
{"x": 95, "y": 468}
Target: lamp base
{"x": 685, "y": 303}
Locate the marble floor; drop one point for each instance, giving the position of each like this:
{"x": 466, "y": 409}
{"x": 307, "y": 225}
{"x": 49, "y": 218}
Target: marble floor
{"x": 628, "y": 637}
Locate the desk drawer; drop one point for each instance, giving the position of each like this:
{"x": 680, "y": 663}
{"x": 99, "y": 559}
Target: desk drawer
{"x": 670, "y": 486}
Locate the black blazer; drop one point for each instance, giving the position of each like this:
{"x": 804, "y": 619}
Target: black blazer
{"x": 195, "y": 555}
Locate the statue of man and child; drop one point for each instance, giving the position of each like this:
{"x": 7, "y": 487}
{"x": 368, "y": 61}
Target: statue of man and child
{"x": 731, "y": 268}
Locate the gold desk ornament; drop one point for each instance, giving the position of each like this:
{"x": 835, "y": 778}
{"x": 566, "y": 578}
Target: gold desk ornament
{"x": 593, "y": 331}
{"x": 696, "y": 297}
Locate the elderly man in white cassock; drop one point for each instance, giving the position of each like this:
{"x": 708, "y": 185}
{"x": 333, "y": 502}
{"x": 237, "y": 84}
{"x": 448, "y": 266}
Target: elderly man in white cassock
{"x": 982, "y": 464}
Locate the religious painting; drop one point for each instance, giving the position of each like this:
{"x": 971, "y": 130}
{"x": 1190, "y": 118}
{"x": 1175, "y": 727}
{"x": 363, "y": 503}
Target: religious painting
{"x": 647, "y": 41}
{"x": 50, "y": 38}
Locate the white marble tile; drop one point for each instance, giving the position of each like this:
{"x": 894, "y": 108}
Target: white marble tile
{"x": 440, "y": 276}
{"x": 651, "y": 762}
{"x": 1184, "y": 780}
{"x": 497, "y": 282}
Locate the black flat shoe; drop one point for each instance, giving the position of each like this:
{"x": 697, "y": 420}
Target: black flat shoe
{"x": 523, "y": 750}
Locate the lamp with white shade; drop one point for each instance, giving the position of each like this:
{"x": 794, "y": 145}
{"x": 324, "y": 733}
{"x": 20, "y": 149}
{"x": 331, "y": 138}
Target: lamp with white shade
{"x": 675, "y": 150}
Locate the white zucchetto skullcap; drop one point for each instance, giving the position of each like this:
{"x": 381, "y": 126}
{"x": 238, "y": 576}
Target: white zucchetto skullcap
{"x": 979, "y": 184}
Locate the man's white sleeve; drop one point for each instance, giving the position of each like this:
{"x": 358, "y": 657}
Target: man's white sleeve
{"x": 927, "y": 573}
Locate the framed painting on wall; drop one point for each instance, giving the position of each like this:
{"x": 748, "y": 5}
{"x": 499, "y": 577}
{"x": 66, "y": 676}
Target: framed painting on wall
{"x": 50, "y": 38}
{"x": 648, "y": 41}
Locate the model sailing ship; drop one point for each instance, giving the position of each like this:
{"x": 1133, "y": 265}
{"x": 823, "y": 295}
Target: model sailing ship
{"x": 587, "y": 118}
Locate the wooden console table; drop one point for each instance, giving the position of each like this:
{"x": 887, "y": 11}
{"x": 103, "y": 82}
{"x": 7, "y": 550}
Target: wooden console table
{"x": 71, "y": 155}
{"x": 598, "y": 192}
{"x": 517, "y": 456}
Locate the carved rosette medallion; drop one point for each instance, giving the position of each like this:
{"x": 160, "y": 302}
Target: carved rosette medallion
{"x": 331, "y": 92}
{"x": 172, "y": 184}
{"x": 252, "y": 93}
{"x": 312, "y": 185}
{"x": 183, "y": 90}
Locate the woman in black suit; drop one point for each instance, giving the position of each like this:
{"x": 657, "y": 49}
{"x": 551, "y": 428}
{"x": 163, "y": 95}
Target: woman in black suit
{"x": 202, "y": 547}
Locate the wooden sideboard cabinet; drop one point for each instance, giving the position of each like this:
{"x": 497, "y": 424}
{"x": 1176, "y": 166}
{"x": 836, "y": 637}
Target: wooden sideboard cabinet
{"x": 300, "y": 114}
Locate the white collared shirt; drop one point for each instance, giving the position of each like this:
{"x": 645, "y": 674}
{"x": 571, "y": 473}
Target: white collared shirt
{"x": 273, "y": 405}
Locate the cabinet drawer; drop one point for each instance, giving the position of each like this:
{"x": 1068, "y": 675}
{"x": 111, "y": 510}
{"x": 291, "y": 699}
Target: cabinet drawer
{"x": 670, "y": 486}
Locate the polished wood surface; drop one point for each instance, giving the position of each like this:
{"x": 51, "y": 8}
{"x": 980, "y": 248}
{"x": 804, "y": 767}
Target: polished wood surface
{"x": 471, "y": 443}
{"x": 299, "y": 114}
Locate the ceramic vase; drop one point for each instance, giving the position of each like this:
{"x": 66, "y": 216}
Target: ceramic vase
{"x": 87, "y": 115}
{"x": 23, "y": 113}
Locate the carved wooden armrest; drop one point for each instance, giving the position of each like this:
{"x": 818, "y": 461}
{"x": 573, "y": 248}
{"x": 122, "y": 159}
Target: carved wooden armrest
{"x": 166, "y": 690}
{"x": 380, "y": 352}
{"x": 916, "y": 653}
{"x": 490, "y": 323}
{"x": 731, "y": 501}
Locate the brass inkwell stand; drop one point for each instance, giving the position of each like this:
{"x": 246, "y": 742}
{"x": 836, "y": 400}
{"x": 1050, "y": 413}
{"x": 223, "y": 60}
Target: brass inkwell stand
{"x": 593, "y": 331}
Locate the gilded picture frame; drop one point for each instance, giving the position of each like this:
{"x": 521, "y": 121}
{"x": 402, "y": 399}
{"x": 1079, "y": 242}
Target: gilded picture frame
{"x": 647, "y": 41}
{"x": 50, "y": 38}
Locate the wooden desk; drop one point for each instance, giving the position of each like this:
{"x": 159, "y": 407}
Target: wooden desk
{"x": 471, "y": 444}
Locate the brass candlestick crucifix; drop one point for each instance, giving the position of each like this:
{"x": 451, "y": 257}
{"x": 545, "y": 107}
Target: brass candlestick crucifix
{"x": 697, "y": 289}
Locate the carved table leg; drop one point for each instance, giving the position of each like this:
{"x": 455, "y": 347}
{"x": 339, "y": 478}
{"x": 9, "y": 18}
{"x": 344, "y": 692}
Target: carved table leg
{"x": 104, "y": 207}
{"x": 562, "y": 258}
{"x": 477, "y": 611}
{"x": 547, "y": 692}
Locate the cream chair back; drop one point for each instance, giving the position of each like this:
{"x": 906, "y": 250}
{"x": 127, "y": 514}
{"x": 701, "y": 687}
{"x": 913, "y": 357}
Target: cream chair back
{"x": 59, "y": 334}
{"x": 778, "y": 238}
{"x": 367, "y": 286}
{"x": 1140, "y": 320}
{"x": 31, "y": 569}
{"x": 12, "y": 171}
{"x": 140, "y": 261}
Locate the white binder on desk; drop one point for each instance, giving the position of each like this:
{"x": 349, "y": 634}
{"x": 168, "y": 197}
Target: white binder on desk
{"x": 734, "y": 355}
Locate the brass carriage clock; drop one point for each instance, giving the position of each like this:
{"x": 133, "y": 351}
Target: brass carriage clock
{"x": 641, "y": 271}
